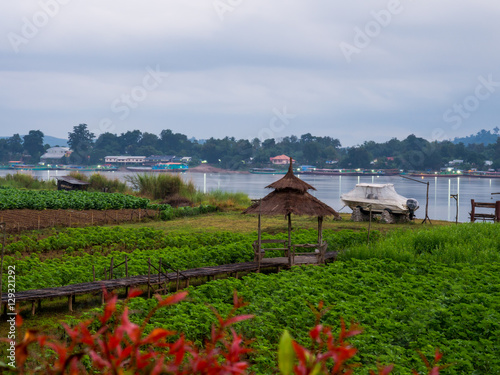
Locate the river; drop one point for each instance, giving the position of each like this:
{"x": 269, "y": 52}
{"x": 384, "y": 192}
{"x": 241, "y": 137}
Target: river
{"x": 330, "y": 188}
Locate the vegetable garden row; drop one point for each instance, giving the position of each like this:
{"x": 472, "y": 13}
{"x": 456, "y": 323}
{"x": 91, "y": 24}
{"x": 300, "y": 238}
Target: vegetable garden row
{"x": 412, "y": 290}
{"x": 11, "y": 198}
{"x": 403, "y": 308}
{"x": 83, "y": 248}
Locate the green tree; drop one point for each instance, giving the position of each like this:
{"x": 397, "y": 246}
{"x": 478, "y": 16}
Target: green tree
{"x": 129, "y": 141}
{"x": 33, "y": 145}
{"x": 15, "y": 146}
{"x": 81, "y": 141}
{"x": 357, "y": 157}
{"x": 311, "y": 152}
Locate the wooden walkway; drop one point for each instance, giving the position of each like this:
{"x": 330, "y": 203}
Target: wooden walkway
{"x": 70, "y": 291}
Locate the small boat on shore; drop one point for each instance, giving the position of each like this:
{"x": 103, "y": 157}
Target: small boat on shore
{"x": 379, "y": 199}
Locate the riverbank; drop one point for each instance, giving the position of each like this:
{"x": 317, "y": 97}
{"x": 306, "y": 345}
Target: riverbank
{"x": 207, "y": 168}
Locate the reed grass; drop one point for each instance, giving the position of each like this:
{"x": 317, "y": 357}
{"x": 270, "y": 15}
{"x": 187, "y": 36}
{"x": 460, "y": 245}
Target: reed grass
{"x": 99, "y": 182}
{"x": 160, "y": 186}
{"x": 163, "y": 186}
{"x": 26, "y": 181}
{"x": 472, "y": 243}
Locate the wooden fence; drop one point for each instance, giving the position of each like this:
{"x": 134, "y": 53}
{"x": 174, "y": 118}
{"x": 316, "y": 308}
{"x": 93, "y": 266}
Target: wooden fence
{"x": 19, "y": 220}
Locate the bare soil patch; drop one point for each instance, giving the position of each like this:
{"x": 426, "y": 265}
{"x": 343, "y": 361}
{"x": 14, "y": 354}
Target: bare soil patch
{"x": 19, "y": 220}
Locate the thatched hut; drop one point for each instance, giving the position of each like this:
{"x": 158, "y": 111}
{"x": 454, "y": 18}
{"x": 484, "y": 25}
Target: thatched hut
{"x": 289, "y": 197}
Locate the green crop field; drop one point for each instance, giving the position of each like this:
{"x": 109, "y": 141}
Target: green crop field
{"x": 412, "y": 288}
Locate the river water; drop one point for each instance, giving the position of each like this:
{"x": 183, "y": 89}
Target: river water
{"x": 330, "y": 188}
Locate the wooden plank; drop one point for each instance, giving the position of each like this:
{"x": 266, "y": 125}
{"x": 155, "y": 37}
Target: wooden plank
{"x": 484, "y": 205}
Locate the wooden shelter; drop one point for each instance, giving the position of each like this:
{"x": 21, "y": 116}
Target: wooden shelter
{"x": 70, "y": 183}
{"x": 289, "y": 197}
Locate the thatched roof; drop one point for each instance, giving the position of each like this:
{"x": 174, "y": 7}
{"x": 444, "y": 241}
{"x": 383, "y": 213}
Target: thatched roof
{"x": 291, "y": 197}
{"x": 290, "y": 181}
{"x": 294, "y": 202}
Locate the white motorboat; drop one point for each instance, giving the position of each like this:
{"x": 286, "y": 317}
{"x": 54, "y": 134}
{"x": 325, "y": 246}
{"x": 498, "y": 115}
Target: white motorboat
{"x": 380, "y": 198}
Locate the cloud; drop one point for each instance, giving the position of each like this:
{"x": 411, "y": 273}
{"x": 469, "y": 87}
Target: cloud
{"x": 227, "y": 74}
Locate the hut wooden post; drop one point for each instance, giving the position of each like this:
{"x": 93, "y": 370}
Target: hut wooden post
{"x": 290, "y": 258}
{"x": 259, "y": 239}
{"x": 321, "y": 248}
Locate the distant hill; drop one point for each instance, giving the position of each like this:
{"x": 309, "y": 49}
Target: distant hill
{"x": 484, "y": 136}
{"x": 51, "y": 141}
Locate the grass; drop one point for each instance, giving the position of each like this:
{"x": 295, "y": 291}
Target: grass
{"x": 26, "y": 181}
{"x": 471, "y": 243}
{"x": 239, "y": 223}
{"x": 162, "y": 186}
{"x": 98, "y": 182}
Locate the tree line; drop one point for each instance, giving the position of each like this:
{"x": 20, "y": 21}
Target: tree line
{"x": 412, "y": 153}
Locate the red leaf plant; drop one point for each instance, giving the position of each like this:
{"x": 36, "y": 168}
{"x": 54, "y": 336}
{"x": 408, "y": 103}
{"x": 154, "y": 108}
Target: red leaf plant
{"x": 121, "y": 347}
{"x": 125, "y": 349}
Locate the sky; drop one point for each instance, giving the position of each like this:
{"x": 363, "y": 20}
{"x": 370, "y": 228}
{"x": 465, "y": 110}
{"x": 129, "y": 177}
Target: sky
{"x": 352, "y": 70}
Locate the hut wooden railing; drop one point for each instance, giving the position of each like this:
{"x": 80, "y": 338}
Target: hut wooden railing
{"x": 320, "y": 251}
{"x": 484, "y": 216}
{"x": 290, "y": 252}
{"x": 259, "y": 253}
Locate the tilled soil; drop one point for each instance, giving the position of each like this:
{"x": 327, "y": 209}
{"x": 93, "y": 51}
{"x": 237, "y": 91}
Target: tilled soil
{"x": 20, "y": 220}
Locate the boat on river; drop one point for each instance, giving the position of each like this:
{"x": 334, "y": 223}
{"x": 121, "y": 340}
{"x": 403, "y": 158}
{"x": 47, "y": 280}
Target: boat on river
{"x": 266, "y": 171}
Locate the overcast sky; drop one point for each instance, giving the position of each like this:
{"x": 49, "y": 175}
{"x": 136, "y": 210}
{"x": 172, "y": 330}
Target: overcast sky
{"x": 353, "y": 70}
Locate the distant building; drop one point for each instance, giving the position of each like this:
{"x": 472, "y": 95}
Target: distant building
{"x": 154, "y": 159}
{"x": 186, "y": 159}
{"x": 281, "y": 160}
{"x": 124, "y": 159}
{"x": 55, "y": 154}
{"x": 488, "y": 162}
{"x": 453, "y": 162}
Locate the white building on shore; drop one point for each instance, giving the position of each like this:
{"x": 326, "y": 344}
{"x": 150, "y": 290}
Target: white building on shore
{"x": 124, "y": 159}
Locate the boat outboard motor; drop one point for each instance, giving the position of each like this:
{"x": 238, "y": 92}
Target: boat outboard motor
{"x": 412, "y": 205}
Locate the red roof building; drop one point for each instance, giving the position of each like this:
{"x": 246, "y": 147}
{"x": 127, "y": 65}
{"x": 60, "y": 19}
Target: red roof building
{"x": 281, "y": 160}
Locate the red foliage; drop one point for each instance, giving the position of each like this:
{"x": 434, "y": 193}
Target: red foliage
{"x": 121, "y": 347}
